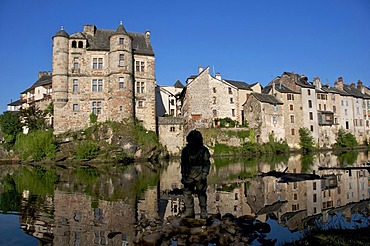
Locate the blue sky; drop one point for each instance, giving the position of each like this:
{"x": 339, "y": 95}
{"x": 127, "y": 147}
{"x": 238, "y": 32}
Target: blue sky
{"x": 243, "y": 40}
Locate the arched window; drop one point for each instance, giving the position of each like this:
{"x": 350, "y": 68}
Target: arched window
{"x": 74, "y": 44}
{"x": 80, "y": 44}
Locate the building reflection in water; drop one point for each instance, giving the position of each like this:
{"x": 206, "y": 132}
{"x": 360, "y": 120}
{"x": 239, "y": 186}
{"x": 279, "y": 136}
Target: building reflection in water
{"x": 102, "y": 209}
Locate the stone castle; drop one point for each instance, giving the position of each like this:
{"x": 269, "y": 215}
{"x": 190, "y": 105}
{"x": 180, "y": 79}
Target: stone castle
{"x": 106, "y": 72}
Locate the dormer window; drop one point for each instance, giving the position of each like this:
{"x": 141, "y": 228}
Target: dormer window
{"x": 74, "y": 44}
{"x": 80, "y": 44}
{"x": 121, "y": 41}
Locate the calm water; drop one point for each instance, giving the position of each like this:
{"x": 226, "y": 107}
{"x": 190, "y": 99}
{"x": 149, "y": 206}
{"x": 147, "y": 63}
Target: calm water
{"x": 99, "y": 205}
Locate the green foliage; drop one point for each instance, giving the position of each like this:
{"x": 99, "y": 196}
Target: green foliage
{"x": 347, "y": 158}
{"x": 10, "y": 126}
{"x": 38, "y": 180}
{"x": 306, "y": 141}
{"x": 93, "y": 118}
{"x": 36, "y": 145}
{"x": 226, "y": 122}
{"x": 9, "y": 199}
{"x": 307, "y": 162}
{"x": 346, "y": 139}
{"x": 33, "y": 118}
{"x": 49, "y": 109}
{"x": 87, "y": 150}
{"x": 223, "y": 149}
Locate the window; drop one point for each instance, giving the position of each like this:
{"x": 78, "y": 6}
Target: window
{"x": 319, "y": 106}
{"x": 140, "y": 66}
{"x": 74, "y": 44}
{"x": 314, "y": 185}
{"x": 214, "y": 100}
{"x": 97, "y": 85}
{"x": 325, "y": 107}
{"x": 140, "y": 104}
{"x": 311, "y": 115}
{"x": 172, "y": 129}
{"x": 291, "y": 107}
{"x": 75, "y": 63}
{"x": 75, "y": 85}
{"x": 97, "y": 63}
{"x": 275, "y": 108}
{"x": 292, "y": 132}
{"x": 274, "y": 119}
{"x": 96, "y": 107}
{"x": 214, "y": 90}
{"x": 172, "y": 111}
{"x": 121, "y": 59}
{"x": 290, "y": 97}
{"x": 342, "y": 102}
{"x": 140, "y": 87}
{"x": 121, "y": 83}
{"x": 334, "y": 109}
{"x": 309, "y": 103}
{"x": 295, "y": 196}
{"x": 230, "y": 90}
{"x": 233, "y": 112}
{"x": 172, "y": 102}
{"x": 75, "y": 107}
{"x": 231, "y": 100}
{"x": 311, "y": 128}
{"x": 309, "y": 92}
{"x": 121, "y": 41}
{"x": 314, "y": 197}
{"x": 346, "y": 112}
{"x": 80, "y": 44}
{"x": 214, "y": 112}
{"x": 292, "y": 119}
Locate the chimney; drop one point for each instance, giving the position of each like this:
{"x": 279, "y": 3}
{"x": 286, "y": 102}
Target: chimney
{"x": 218, "y": 76}
{"x": 360, "y": 86}
{"x": 200, "y": 69}
{"x": 339, "y": 84}
{"x": 147, "y": 33}
{"x": 353, "y": 85}
{"x": 317, "y": 82}
{"x": 43, "y": 73}
{"x": 90, "y": 29}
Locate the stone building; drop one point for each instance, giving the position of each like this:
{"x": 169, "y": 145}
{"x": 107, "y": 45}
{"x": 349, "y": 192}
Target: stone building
{"x": 168, "y": 101}
{"x": 265, "y": 114}
{"x": 207, "y": 99}
{"x": 106, "y": 72}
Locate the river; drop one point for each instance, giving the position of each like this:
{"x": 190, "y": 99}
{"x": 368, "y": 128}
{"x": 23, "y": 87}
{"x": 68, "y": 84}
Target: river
{"x": 86, "y": 204}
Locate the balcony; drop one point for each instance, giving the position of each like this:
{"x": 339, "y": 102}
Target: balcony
{"x": 325, "y": 118}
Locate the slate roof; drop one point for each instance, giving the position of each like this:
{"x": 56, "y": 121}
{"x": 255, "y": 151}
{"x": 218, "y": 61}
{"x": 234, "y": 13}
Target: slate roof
{"x": 61, "y": 33}
{"x": 353, "y": 91}
{"x": 178, "y": 84}
{"x": 44, "y": 80}
{"x": 100, "y": 41}
{"x": 15, "y": 103}
{"x": 266, "y": 98}
{"x": 279, "y": 87}
{"x": 239, "y": 84}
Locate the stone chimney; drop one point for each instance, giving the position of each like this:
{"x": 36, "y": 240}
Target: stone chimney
{"x": 43, "y": 73}
{"x": 147, "y": 33}
{"x": 200, "y": 69}
{"x": 218, "y": 76}
{"x": 360, "y": 86}
{"x": 339, "y": 84}
{"x": 317, "y": 82}
{"x": 90, "y": 29}
{"x": 353, "y": 85}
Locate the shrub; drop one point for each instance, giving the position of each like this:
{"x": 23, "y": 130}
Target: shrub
{"x": 306, "y": 141}
{"x": 346, "y": 139}
{"x": 93, "y": 118}
{"x": 37, "y": 145}
{"x": 87, "y": 150}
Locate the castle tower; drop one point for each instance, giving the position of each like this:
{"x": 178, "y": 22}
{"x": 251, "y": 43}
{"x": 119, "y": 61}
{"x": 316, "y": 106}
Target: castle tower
{"x": 121, "y": 103}
{"x": 60, "y": 73}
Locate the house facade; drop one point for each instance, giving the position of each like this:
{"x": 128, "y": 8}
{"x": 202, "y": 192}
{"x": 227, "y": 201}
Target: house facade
{"x": 109, "y": 73}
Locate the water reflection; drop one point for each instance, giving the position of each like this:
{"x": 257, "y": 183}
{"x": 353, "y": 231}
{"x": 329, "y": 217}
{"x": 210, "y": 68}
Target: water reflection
{"x": 83, "y": 205}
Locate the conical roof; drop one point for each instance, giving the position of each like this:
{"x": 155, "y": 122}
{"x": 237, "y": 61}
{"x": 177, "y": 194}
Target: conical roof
{"x": 61, "y": 33}
{"x": 120, "y": 30}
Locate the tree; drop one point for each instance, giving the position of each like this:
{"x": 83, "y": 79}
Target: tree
{"x": 346, "y": 139}
{"x": 10, "y": 126}
{"x": 33, "y": 118}
{"x": 306, "y": 141}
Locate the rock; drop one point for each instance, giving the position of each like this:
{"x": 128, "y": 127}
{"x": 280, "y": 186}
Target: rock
{"x": 152, "y": 239}
{"x": 262, "y": 227}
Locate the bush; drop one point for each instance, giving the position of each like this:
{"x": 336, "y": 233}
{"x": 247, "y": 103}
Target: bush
{"x": 93, "y": 118}
{"x": 87, "y": 150}
{"x": 37, "y": 145}
{"x": 346, "y": 139}
{"x": 306, "y": 141}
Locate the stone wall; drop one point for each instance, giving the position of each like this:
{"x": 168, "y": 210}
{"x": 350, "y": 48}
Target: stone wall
{"x": 171, "y": 135}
